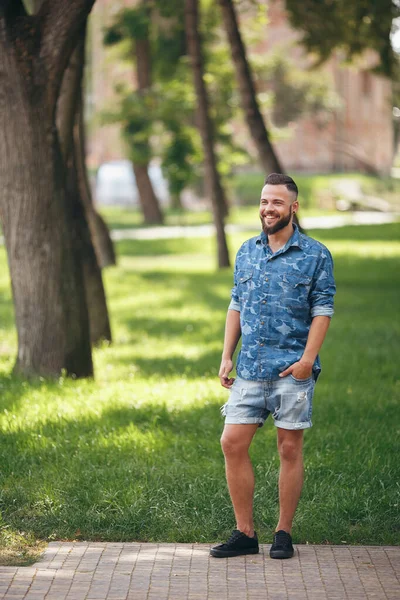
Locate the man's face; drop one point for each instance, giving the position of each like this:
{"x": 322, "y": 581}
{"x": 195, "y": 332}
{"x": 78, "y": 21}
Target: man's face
{"x": 277, "y": 206}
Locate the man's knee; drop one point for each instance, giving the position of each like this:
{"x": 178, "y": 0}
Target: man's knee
{"x": 290, "y": 448}
{"x": 236, "y": 439}
{"x": 232, "y": 445}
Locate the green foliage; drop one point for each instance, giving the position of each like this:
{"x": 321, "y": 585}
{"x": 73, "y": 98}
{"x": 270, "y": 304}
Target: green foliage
{"x": 161, "y": 122}
{"x": 168, "y": 38}
{"x": 297, "y": 92}
{"x": 135, "y": 454}
{"x": 135, "y": 114}
{"x": 130, "y": 23}
{"x": 179, "y": 160}
{"x": 180, "y": 145}
{"x": 350, "y": 26}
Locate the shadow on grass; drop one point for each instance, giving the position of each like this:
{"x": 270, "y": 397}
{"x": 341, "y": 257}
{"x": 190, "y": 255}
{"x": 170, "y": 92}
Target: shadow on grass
{"x": 123, "y": 475}
{"x": 204, "y": 365}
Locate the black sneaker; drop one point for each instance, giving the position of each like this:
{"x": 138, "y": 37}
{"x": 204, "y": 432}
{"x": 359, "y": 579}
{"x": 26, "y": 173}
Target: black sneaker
{"x": 282, "y": 545}
{"x": 239, "y": 543}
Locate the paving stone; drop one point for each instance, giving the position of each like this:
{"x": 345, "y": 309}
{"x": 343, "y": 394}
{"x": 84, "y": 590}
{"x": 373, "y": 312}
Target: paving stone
{"x": 133, "y": 571}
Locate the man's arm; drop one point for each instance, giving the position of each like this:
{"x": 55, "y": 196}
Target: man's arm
{"x": 232, "y": 336}
{"x": 303, "y": 368}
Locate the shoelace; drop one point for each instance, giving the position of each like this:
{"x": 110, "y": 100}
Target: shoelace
{"x": 281, "y": 538}
{"x": 235, "y": 536}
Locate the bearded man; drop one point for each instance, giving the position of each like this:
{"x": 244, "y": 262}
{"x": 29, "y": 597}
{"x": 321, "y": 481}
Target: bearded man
{"x": 281, "y": 307}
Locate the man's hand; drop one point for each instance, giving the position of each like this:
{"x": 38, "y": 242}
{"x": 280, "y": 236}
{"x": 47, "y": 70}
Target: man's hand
{"x": 224, "y": 370}
{"x": 299, "y": 370}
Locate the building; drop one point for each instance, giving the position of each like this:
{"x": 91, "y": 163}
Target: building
{"x": 360, "y": 133}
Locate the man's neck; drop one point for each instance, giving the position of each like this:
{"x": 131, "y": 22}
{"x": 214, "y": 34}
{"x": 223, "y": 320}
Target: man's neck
{"x": 277, "y": 240}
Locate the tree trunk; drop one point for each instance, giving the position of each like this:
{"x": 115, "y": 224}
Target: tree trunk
{"x": 99, "y": 324}
{"x": 68, "y": 109}
{"x": 148, "y": 200}
{"x": 46, "y": 275}
{"x": 103, "y": 244}
{"x": 176, "y": 201}
{"x": 206, "y": 129}
{"x": 150, "y": 206}
{"x": 47, "y": 281}
{"x": 255, "y": 121}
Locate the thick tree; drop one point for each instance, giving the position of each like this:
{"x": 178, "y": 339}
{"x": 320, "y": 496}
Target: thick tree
{"x": 38, "y": 221}
{"x": 213, "y": 182}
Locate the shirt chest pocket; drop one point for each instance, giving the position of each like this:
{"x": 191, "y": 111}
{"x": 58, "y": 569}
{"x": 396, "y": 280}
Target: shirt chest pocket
{"x": 295, "y": 285}
{"x": 245, "y": 283}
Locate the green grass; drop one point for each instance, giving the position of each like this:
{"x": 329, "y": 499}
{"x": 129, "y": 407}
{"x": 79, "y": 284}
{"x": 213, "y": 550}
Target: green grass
{"x": 118, "y": 217}
{"x": 135, "y": 455}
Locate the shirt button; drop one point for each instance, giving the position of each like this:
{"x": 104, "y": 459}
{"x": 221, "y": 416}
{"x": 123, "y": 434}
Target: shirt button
{"x": 262, "y": 322}
{"x": 261, "y": 344}
{"x": 263, "y": 302}
{"x": 266, "y": 279}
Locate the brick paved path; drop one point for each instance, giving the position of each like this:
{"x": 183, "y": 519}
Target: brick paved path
{"x": 130, "y": 571}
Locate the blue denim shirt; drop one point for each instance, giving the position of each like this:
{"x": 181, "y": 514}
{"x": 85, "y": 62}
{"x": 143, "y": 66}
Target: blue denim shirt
{"x": 277, "y": 296}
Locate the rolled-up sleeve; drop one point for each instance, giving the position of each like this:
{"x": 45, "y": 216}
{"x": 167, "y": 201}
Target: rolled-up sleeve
{"x": 234, "y": 303}
{"x": 323, "y": 288}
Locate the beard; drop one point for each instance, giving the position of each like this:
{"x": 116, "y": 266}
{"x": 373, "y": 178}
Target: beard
{"x": 278, "y": 225}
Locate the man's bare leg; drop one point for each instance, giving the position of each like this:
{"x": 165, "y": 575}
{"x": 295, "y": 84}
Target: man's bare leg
{"x": 290, "y": 447}
{"x": 235, "y": 442}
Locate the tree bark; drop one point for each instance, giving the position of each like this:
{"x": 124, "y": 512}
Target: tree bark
{"x": 206, "y": 129}
{"x": 68, "y": 110}
{"x": 47, "y": 280}
{"x": 150, "y": 206}
{"x": 149, "y": 203}
{"x": 99, "y": 324}
{"x": 103, "y": 244}
{"x": 255, "y": 121}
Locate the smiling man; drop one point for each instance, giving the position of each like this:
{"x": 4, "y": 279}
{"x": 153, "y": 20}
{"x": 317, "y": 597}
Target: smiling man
{"x": 282, "y": 303}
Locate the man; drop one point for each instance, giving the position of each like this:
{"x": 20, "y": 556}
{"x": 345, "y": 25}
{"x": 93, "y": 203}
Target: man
{"x": 282, "y": 303}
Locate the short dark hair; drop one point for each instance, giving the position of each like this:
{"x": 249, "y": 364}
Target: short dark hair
{"x": 281, "y": 179}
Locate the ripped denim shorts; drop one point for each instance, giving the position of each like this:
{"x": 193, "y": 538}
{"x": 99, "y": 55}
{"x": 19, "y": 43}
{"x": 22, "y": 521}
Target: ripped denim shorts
{"x": 287, "y": 399}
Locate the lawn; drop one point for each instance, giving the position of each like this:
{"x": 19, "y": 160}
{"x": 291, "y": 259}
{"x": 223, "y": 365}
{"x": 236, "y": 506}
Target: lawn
{"x": 135, "y": 455}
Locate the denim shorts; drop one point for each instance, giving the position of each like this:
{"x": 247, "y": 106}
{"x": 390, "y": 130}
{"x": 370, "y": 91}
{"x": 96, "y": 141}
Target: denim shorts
{"x": 287, "y": 399}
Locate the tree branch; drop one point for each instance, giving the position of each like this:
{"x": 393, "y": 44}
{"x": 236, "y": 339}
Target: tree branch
{"x": 61, "y": 25}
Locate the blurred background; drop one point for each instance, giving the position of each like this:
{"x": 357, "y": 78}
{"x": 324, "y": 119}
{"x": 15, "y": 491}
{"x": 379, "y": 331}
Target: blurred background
{"x": 336, "y": 116}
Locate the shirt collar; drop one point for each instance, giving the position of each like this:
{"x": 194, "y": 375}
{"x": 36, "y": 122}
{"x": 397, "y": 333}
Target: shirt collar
{"x": 294, "y": 239}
